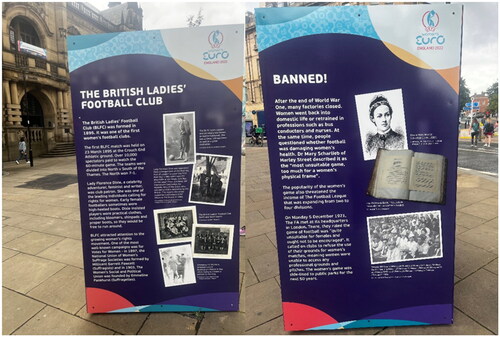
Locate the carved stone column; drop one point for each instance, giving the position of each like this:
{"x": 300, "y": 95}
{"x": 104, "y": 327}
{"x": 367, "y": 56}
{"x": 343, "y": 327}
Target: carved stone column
{"x": 13, "y": 108}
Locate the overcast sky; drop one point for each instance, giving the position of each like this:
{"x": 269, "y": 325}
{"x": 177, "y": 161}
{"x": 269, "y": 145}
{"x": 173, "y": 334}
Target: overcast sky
{"x": 480, "y": 39}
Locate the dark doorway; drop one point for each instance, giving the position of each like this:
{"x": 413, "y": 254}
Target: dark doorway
{"x": 31, "y": 107}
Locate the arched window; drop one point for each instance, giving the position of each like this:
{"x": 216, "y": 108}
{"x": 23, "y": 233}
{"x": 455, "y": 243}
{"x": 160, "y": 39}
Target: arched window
{"x": 22, "y": 29}
{"x": 31, "y": 106}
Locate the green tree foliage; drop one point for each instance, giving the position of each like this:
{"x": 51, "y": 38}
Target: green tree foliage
{"x": 492, "y": 93}
{"x": 464, "y": 93}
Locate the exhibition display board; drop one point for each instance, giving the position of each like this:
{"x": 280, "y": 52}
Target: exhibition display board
{"x": 361, "y": 117}
{"x": 157, "y": 119}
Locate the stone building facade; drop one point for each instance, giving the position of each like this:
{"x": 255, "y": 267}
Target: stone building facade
{"x": 36, "y": 89}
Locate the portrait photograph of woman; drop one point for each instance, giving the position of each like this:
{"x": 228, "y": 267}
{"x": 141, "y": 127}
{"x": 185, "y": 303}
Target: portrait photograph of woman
{"x": 381, "y": 120}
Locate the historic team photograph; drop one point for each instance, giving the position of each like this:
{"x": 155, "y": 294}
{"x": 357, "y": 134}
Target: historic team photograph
{"x": 213, "y": 241}
{"x": 174, "y": 224}
{"x": 210, "y": 179}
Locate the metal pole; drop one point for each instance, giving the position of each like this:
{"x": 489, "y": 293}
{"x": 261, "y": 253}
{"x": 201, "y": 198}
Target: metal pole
{"x": 25, "y": 106}
{"x": 471, "y": 110}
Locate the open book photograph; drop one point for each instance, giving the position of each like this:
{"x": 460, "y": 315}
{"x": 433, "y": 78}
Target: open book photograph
{"x": 408, "y": 175}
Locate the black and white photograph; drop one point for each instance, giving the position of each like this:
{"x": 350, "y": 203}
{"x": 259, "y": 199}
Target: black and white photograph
{"x": 405, "y": 237}
{"x": 179, "y": 138}
{"x": 213, "y": 241}
{"x": 177, "y": 265}
{"x": 210, "y": 179}
{"x": 381, "y": 119}
{"x": 174, "y": 224}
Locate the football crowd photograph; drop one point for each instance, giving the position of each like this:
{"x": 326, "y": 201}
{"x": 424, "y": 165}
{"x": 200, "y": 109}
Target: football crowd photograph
{"x": 405, "y": 237}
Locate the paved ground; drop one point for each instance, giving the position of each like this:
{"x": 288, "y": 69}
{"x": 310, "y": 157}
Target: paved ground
{"x": 43, "y": 282}
{"x": 476, "y": 265}
{"x": 479, "y": 158}
{"x": 43, "y": 289}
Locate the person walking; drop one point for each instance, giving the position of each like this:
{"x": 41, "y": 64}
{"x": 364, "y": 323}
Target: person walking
{"x": 22, "y": 151}
{"x": 474, "y": 132}
{"x": 488, "y": 130}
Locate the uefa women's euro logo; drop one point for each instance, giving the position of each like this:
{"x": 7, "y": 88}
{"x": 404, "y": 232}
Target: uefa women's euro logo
{"x": 216, "y": 55}
{"x": 430, "y": 20}
{"x": 215, "y": 38}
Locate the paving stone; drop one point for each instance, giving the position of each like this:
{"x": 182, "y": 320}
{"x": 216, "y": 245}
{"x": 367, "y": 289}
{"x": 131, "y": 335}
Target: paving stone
{"x": 64, "y": 290}
{"x": 258, "y": 245}
{"x": 492, "y": 201}
{"x": 66, "y": 228}
{"x": 267, "y": 213}
{"x": 468, "y": 221}
{"x": 462, "y": 203}
{"x": 42, "y": 210}
{"x": 273, "y": 327}
{"x": 469, "y": 258}
{"x": 250, "y": 277}
{"x": 252, "y": 217}
{"x": 51, "y": 321}
{"x": 18, "y": 197}
{"x": 260, "y": 194}
{"x": 278, "y": 280}
{"x": 168, "y": 324}
{"x": 265, "y": 265}
{"x": 477, "y": 297}
{"x": 242, "y": 300}
{"x": 75, "y": 216}
{"x": 66, "y": 201}
{"x": 242, "y": 276}
{"x": 67, "y": 251}
{"x": 261, "y": 227}
{"x": 24, "y": 272}
{"x": 10, "y": 233}
{"x": 481, "y": 210}
{"x": 8, "y": 253}
{"x": 272, "y": 237}
{"x": 127, "y": 323}
{"x": 264, "y": 303}
{"x": 493, "y": 223}
{"x": 468, "y": 181}
{"x": 483, "y": 236}
{"x": 492, "y": 266}
{"x": 12, "y": 205}
{"x": 16, "y": 310}
{"x": 460, "y": 229}
{"x": 14, "y": 218}
{"x": 222, "y": 323}
{"x": 471, "y": 195}
{"x": 257, "y": 206}
{"x": 462, "y": 325}
{"x": 33, "y": 242}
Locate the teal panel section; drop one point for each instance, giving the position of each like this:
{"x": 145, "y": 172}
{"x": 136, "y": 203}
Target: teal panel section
{"x": 322, "y": 20}
{"x": 277, "y": 15}
{"x": 160, "y": 307}
{"x": 367, "y": 323}
{"x": 173, "y": 307}
{"x": 142, "y": 42}
{"x": 76, "y": 42}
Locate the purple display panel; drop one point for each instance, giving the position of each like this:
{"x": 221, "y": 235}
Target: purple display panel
{"x": 339, "y": 84}
{"x": 157, "y": 133}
